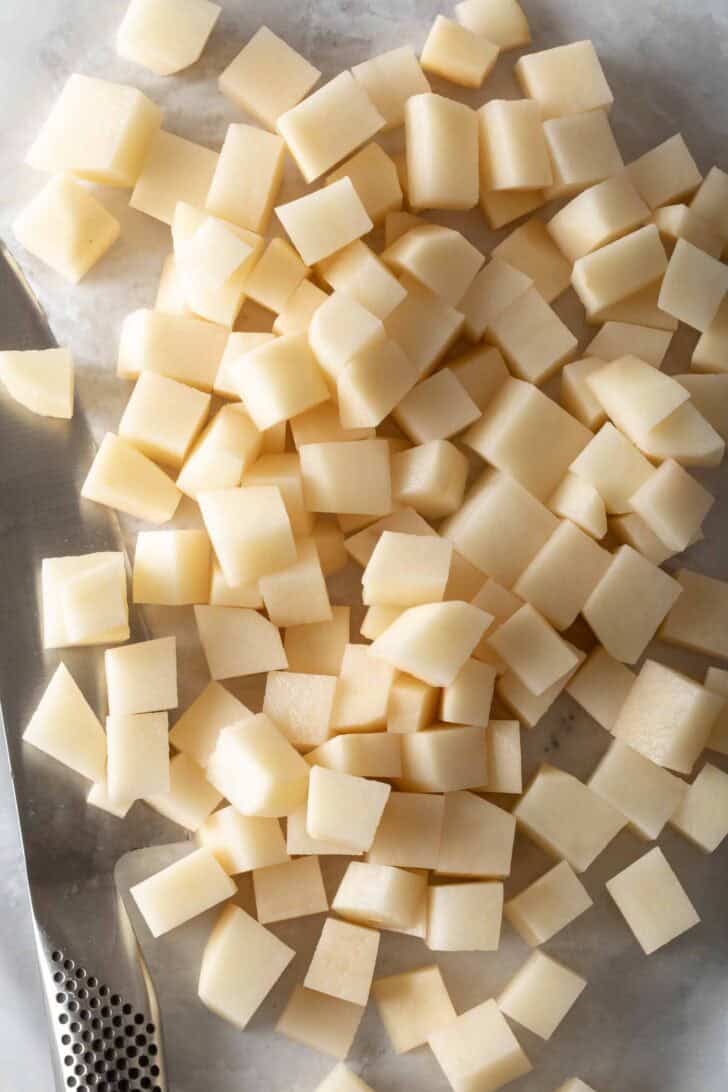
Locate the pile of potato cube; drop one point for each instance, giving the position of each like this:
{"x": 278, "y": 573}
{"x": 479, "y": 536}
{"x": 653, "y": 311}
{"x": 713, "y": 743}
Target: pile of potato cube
{"x": 488, "y": 518}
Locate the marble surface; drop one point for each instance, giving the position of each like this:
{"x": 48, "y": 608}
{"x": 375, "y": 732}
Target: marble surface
{"x": 666, "y": 61}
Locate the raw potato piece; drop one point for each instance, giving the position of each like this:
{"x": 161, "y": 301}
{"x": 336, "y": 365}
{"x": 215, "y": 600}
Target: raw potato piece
{"x": 238, "y": 641}
{"x": 343, "y": 962}
{"x": 566, "y": 818}
{"x": 532, "y": 337}
{"x": 166, "y": 36}
{"x": 686, "y": 437}
{"x": 703, "y": 814}
{"x": 409, "y": 833}
{"x": 229, "y": 445}
{"x": 412, "y": 705}
{"x": 577, "y": 500}
{"x": 190, "y": 799}
{"x": 699, "y": 620}
{"x": 196, "y": 731}
{"x": 351, "y": 477}
{"x": 640, "y": 310}
{"x": 361, "y": 754}
{"x": 619, "y": 270}
{"x": 617, "y": 339}
{"x": 412, "y": 1006}
{"x": 372, "y": 383}
{"x": 673, "y": 505}
{"x": 645, "y": 793}
{"x": 283, "y": 471}
{"x": 563, "y": 575}
{"x": 293, "y": 889}
{"x": 540, "y": 994}
{"x": 601, "y": 687}
{"x": 318, "y": 648}
{"x": 390, "y": 79}
{"x": 468, "y": 698}
{"x": 519, "y": 700}
{"x": 297, "y": 315}
{"x": 614, "y": 467}
{"x": 340, "y": 330}
{"x": 548, "y": 905}
{"x": 444, "y": 759}
{"x": 182, "y": 891}
{"x": 667, "y": 717}
{"x": 482, "y": 371}
{"x": 464, "y": 917}
{"x": 513, "y": 148}
{"x": 40, "y": 380}
{"x": 300, "y": 843}
{"x": 280, "y": 379}
{"x": 142, "y": 678}
{"x": 84, "y": 600}
{"x": 138, "y": 756}
{"x": 238, "y": 940}
{"x": 583, "y": 152}
{"x": 167, "y": 437}
{"x": 324, "y": 1023}
{"x": 174, "y": 171}
{"x": 362, "y": 692}
{"x": 377, "y": 619}
{"x": 247, "y": 177}
{"x": 121, "y": 477}
{"x": 709, "y": 395}
{"x": 406, "y": 570}
{"x": 652, "y": 901}
{"x": 361, "y": 546}
{"x": 110, "y": 144}
{"x": 301, "y": 706}
{"x": 65, "y": 727}
{"x": 250, "y": 531}
{"x": 435, "y": 409}
{"x": 532, "y": 251}
{"x": 533, "y": 650}
{"x": 666, "y": 174}
{"x": 477, "y": 1051}
{"x": 242, "y": 843}
{"x": 438, "y": 257}
{"x": 503, "y": 747}
{"x": 493, "y": 290}
{"x": 222, "y": 594}
{"x": 600, "y": 215}
{"x": 344, "y": 809}
{"x": 680, "y": 222}
{"x": 457, "y": 54}
{"x": 442, "y": 153}
{"x": 565, "y": 80}
{"x": 380, "y": 896}
{"x": 325, "y": 221}
{"x": 358, "y": 272}
{"x": 374, "y": 177}
{"x": 178, "y": 346}
{"x": 267, "y": 77}
{"x": 501, "y": 21}
{"x": 423, "y": 325}
{"x": 694, "y": 286}
{"x": 66, "y": 228}
{"x": 329, "y": 539}
{"x": 431, "y": 478}
{"x": 342, "y": 1079}
{"x": 477, "y": 836}
{"x": 432, "y": 641}
{"x": 276, "y": 276}
{"x": 629, "y": 603}
{"x": 257, "y": 769}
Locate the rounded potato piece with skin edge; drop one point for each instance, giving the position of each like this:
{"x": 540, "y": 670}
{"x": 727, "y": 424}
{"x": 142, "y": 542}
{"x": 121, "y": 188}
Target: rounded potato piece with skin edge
{"x": 166, "y": 36}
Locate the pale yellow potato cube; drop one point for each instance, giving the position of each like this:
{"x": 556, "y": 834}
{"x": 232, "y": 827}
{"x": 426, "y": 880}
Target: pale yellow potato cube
{"x": 177, "y": 346}
{"x": 629, "y": 603}
{"x": 501, "y": 21}
{"x": 430, "y": 478}
{"x": 380, "y": 896}
{"x": 620, "y": 269}
{"x": 525, "y": 705}
{"x": 432, "y": 641}
{"x": 98, "y": 131}
{"x": 436, "y": 408}
{"x": 374, "y": 177}
{"x": 195, "y": 732}
{"x": 443, "y": 759}
{"x": 617, "y": 339}
{"x": 503, "y": 747}
{"x": 709, "y": 395}
{"x": 667, "y": 717}
{"x": 566, "y": 818}
{"x": 358, "y": 272}
{"x": 121, "y": 477}
{"x": 390, "y": 79}
{"x": 601, "y": 687}
{"x": 458, "y": 54}
{"x": 437, "y": 257}
{"x": 325, "y": 221}
{"x": 532, "y": 649}
{"x": 531, "y": 250}
{"x": 406, "y": 570}
{"x": 175, "y": 170}
{"x": 497, "y": 601}
{"x": 361, "y": 754}
{"x": 577, "y": 500}
{"x": 283, "y": 471}
{"x": 238, "y": 641}
{"x": 412, "y": 705}
{"x": 340, "y": 330}
{"x": 344, "y": 809}
{"x": 280, "y": 379}
{"x": 142, "y": 678}
{"x": 467, "y": 699}
{"x": 247, "y": 177}
{"x": 241, "y": 843}
{"x": 501, "y": 207}
{"x": 698, "y": 620}
{"x": 170, "y": 291}
{"x": 477, "y": 836}
{"x": 563, "y": 575}
{"x": 342, "y": 1079}
{"x": 213, "y": 259}
{"x": 702, "y": 816}
{"x": 377, "y": 619}
{"x": 547, "y": 905}
{"x": 614, "y": 467}
{"x": 396, "y": 224}
{"x": 323, "y": 425}
{"x": 652, "y": 901}
{"x": 673, "y": 505}
{"x": 413, "y": 1005}
{"x": 237, "y": 940}
{"x": 191, "y": 798}
{"x": 329, "y": 539}
{"x": 576, "y": 394}
{"x": 300, "y": 843}
{"x": 293, "y": 889}
{"x": 41, "y": 380}
{"x": 540, "y": 994}
{"x": 256, "y": 768}
{"x": 464, "y": 917}
{"x": 362, "y": 693}
{"x": 343, "y": 962}
{"x": 711, "y": 201}
{"x": 680, "y": 222}
{"x": 67, "y": 228}
{"x": 168, "y": 437}
{"x": 410, "y": 830}
{"x": 360, "y": 546}
{"x": 166, "y": 36}
{"x": 481, "y": 371}
{"x": 694, "y": 286}
{"x": 645, "y": 793}
{"x": 300, "y": 705}
{"x": 324, "y": 1023}
{"x": 250, "y": 531}
{"x": 297, "y": 314}
{"x": 583, "y": 152}
{"x": 84, "y": 600}
{"x": 182, "y": 891}
{"x": 477, "y": 1051}
{"x": 686, "y": 437}
{"x": 229, "y": 446}
{"x": 666, "y": 174}
{"x": 222, "y": 594}
{"x": 372, "y": 384}
{"x": 318, "y": 648}
{"x": 65, "y": 727}
{"x": 267, "y": 77}
{"x": 137, "y": 755}
{"x": 513, "y": 151}
{"x": 424, "y": 325}
{"x": 565, "y": 80}
{"x": 276, "y": 276}
{"x": 442, "y": 153}
{"x": 532, "y": 337}
{"x": 600, "y": 215}
{"x": 631, "y": 530}
{"x": 639, "y": 309}
{"x": 495, "y": 287}
{"x": 347, "y": 477}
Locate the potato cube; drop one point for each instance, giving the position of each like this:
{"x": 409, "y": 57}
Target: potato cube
{"x": 98, "y": 131}
{"x": 213, "y": 259}
{"x": 563, "y": 575}
{"x": 667, "y": 717}
{"x": 324, "y": 1023}
{"x": 347, "y": 477}
{"x": 503, "y": 757}
{"x": 361, "y": 546}
{"x": 583, "y": 152}
{"x": 175, "y": 170}
{"x": 242, "y": 843}
{"x": 323, "y": 425}
{"x": 532, "y": 337}
{"x": 377, "y": 619}
{"x": 540, "y": 994}
{"x": 686, "y": 437}
{"x": 424, "y": 325}
{"x": 342, "y": 1079}
{"x": 673, "y": 504}
{"x": 257, "y": 769}
{"x": 390, "y": 79}
{"x": 464, "y": 917}
{"x": 142, "y": 678}
{"x": 121, "y": 477}
{"x": 380, "y": 896}
{"x": 547, "y": 905}
{"x": 531, "y": 250}
{"x": 171, "y": 298}
{"x": 318, "y": 648}
{"x": 442, "y": 153}
{"x": 616, "y": 339}
{"x": 501, "y": 21}
{"x": 301, "y": 706}
{"x": 413, "y": 1005}
{"x": 457, "y": 54}
{"x": 702, "y": 816}
{"x": 525, "y": 705}
{"x": 299, "y": 842}
{"x": 443, "y": 759}
{"x": 293, "y": 889}
{"x": 577, "y": 395}
{"x": 495, "y": 287}
{"x": 482, "y": 371}
{"x": 341, "y": 329}
{"x": 437, "y": 408}
{"x": 409, "y": 833}
{"x": 652, "y": 901}
{"x": 601, "y": 687}
{"x": 67, "y": 228}
{"x": 41, "y": 380}
{"x": 279, "y": 379}
{"x": 711, "y": 201}
{"x": 372, "y": 383}
{"x": 238, "y": 641}
{"x": 195, "y": 732}
{"x": 432, "y": 641}
{"x": 631, "y": 530}
{"x": 614, "y": 466}
{"x": 329, "y": 539}
{"x": 343, "y": 962}
{"x": 143, "y": 36}
{"x": 190, "y": 799}
{"x": 431, "y": 478}
{"x": 698, "y": 620}
{"x": 709, "y": 395}
{"x": 532, "y": 649}
{"x": 565, "y": 80}
{"x": 222, "y": 594}
{"x": 65, "y": 727}
{"x": 619, "y": 269}
{"x": 374, "y": 177}
{"x": 250, "y": 531}
{"x": 680, "y": 222}
{"x": 297, "y": 595}
{"x": 666, "y": 174}
{"x": 283, "y": 471}
{"x": 406, "y": 570}
{"x": 176, "y": 346}
{"x": 138, "y": 755}
{"x": 437, "y": 257}
{"x": 412, "y": 705}
{"x": 325, "y": 221}
{"x": 645, "y": 793}
{"x": 467, "y": 699}
{"x": 362, "y": 692}
{"x": 344, "y": 809}
{"x": 477, "y": 836}
{"x": 477, "y": 1051}
{"x": 180, "y": 892}
{"x": 247, "y": 177}
{"x": 165, "y": 438}
{"x": 694, "y": 286}
{"x": 599, "y": 216}
{"x": 639, "y": 309}
{"x": 276, "y": 276}
{"x": 513, "y": 151}
{"x": 566, "y": 818}
{"x": 84, "y": 600}
{"x": 359, "y": 273}
{"x": 577, "y": 500}
{"x": 249, "y": 81}
{"x": 297, "y": 314}
{"x": 361, "y": 754}
{"x": 238, "y": 940}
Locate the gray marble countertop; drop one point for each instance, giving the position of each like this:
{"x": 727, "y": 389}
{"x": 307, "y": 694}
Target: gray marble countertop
{"x": 665, "y": 59}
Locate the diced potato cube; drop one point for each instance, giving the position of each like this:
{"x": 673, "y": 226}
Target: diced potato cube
{"x": 432, "y": 641}
{"x": 182, "y": 891}
{"x": 380, "y": 896}
{"x": 358, "y": 272}
{"x": 318, "y": 648}
{"x": 238, "y": 940}
{"x": 702, "y": 816}
{"x": 222, "y": 594}
{"x": 142, "y": 678}
{"x": 424, "y": 325}
{"x": 177, "y": 346}
{"x": 98, "y": 131}
{"x": 666, "y": 174}
{"x": 297, "y": 314}
{"x": 377, "y": 619}
{"x": 435, "y": 409}
{"x": 694, "y": 286}
{"x": 464, "y": 917}
{"x": 482, "y": 371}
{"x": 652, "y": 901}
{"x": 565, "y": 80}
{"x": 601, "y": 687}
{"x": 599, "y": 216}
{"x": 631, "y": 530}
{"x": 639, "y": 309}
{"x": 503, "y": 757}
{"x": 686, "y": 437}
{"x": 324, "y": 1023}
{"x": 501, "y": 207}
{"x": 442, "y": 153}
{"x": 347, "y": 477}
{"x": 576, "y": 394}
{"x": 617, "y": 339}
{"x": 457, "y": 54}
{"x": 709, "y": 395}
{"x": 257, "y": 769}
{"x": 297, "y": 595}
{"x": 300, "y": 843}
{"x": 390, "y": 79}
{"x": 501, "y": 21}
{"x": 583, "y": 152}
{"x": 540, "y": 994}
{"x": 361, "y": 546}
{"x": 477, "y": 1051}
{"x": 283, "y": 471}
{"x": 566, "y": 818}
{"x": 431, "y": 478}
{"x": 673, "y": 504}
{"x": 250, "y": 531}
{"x": 406, "y": 570}
{"x": 238, "y": 641}
{"x": 698, "y": 620}
{"x": 513, "y": 151}
{"x": 171, "y": 298}
{"x": 361, "y": 754}
{"x": 412, "y": 1006}
{"x": 443, "y": 759}
{"x": 372, "y": 383}
{"x": 84, "y": 600}
{"x": 342, "y": 1079}
{"x": 531, "y": 250}
{"x": 175, "y": 170}
{"x": 279, "y": 379}
{"x": 247, "y": 177}
{"x": 577, "y": 500}
{"x": 409, "y": 833}
{"x": 344, "y": 809}
{"x": 301, "y": 706}
{"x": 65, "y": 727}
{"x": 213, "y": 259}
{"x": 563, "y": 575}
{"x": 532, "y": 649}
{"x": 276, "y": 276}
{"x": 267, "y": 77}
{"x": 645, "y": 793}
{"x": 293, "y": 889}
{"x": 325, "y": 221}
{"x": 138, "y": 755}
{"x": 195, "y": 732}
{"x": 374, "y": 177}
{"x": 121, "y": 477}
{"x": 711, "y": 201}
{"x": 242, "y": 843}
{"x": 680, "y": 222}
{"x": 229, "y": 445}
{"x": 547, "y": 905}
{"x": 437, "y": 257}
{"x": 41, "y": 380}
{"x": 323, "y": 425}
{"x": 329, "y": 539}
{"x": 190, "y": 799}
{"x": 495, "y": 287}
{"x": 477, "y": 836}
{"x": 343, "y": 962}
{"x": 412, "y": 705}
{"x": 532, "y": 337}
{"x": 619, "y": 269}
{"x": 614, "y": 467}
{"x": 341, "y": 329}
{"x": 525, "y": 705}
{"x": 166, "y": 437}
{"x": 467, "y": 699}
{"x": 144, "y": 34}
